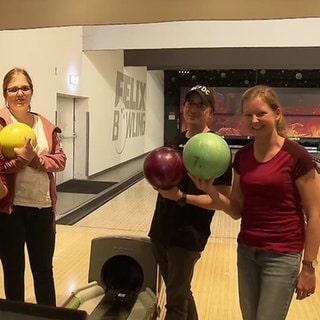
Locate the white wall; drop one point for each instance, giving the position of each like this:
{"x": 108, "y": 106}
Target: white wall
{"x": 98, "y": 84}
{"x": 155, "y": 111}
{"x": 205, "y": 34}
{"x": 51, "y": 55}
{"x": 116, "y": 138}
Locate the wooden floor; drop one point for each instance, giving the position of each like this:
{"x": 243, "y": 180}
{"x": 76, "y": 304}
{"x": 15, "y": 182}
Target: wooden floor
{"x": 215, "y": 279}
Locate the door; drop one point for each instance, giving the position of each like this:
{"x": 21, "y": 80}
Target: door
{"x": 66, "y": 122}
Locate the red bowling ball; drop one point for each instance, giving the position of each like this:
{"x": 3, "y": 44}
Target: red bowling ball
{"x": 163, "y": 168}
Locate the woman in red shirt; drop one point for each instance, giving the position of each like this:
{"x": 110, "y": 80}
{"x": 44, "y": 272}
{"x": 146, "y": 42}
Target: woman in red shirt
{"x": 276, "y": 193}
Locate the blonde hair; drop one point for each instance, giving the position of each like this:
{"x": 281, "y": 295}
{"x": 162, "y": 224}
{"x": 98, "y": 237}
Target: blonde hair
{"x": 267, "y": 95}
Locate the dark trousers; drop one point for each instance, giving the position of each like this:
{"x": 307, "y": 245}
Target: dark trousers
{"x": 34, "y": 228}
{"x": 176, "y": 266}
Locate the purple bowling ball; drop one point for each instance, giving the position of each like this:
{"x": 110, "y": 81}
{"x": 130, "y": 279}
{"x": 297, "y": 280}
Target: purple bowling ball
{"x": 163, "y": 168}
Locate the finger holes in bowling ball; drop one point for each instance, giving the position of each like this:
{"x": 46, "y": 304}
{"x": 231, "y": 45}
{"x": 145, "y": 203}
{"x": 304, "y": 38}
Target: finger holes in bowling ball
{"x": 122, "y": 273}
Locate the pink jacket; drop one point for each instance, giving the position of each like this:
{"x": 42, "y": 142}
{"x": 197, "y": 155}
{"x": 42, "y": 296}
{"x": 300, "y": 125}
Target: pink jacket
{"x": 54, "y": 161}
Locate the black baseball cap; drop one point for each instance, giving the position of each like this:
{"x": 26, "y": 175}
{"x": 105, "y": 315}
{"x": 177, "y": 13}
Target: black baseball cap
{"x": 205, "y": 94}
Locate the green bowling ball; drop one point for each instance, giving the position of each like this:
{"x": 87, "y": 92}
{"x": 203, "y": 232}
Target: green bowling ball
{"x": 206, "y": 155}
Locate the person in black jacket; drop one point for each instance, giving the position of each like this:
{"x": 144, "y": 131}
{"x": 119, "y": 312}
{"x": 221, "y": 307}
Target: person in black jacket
{"x": 181, "y": 222}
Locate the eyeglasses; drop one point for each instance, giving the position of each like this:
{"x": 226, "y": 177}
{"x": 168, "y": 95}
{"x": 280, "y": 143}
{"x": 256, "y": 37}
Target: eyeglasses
{"x": 199, "y": 106}
{"x": 16, "y": 89}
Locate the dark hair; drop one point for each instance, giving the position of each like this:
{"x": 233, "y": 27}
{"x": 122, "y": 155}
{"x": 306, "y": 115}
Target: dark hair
{"x": 269, "y": 96}
{"x": 8, "y": 77}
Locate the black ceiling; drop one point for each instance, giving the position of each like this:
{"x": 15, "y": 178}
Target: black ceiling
{"x": 243, "y": 78}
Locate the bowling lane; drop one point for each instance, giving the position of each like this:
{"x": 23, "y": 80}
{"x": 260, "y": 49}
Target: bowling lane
{"x": 129, "y": 212}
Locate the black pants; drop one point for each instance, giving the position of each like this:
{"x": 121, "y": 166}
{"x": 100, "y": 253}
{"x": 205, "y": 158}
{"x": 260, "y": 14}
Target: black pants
{"x": 176, "y": 266}
{"x": 34, "y": 228}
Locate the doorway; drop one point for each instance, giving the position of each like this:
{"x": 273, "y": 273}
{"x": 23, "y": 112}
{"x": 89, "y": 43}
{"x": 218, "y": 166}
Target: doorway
{"x": 71, "y": 119}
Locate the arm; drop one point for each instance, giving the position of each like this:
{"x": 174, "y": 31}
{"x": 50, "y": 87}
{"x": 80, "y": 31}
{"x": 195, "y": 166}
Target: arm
{"x": 23, "y": 157}
{"x": 175, "y": 194}
{"x": 3, "y": 185}
{"x": 230, "y": 204}
{"x": 309, "y": 190}
{"x": 50, "y": 162}
{"x": 204, "y": 201}
{"x": 3, "y": 189}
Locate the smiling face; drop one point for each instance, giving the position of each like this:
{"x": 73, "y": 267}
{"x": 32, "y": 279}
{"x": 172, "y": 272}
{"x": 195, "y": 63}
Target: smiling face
{"x": 17, "y": 90}
{"x": 259, "y": 118}
{"x": 262, "y": 112}
{"x": 19, "y": 93}
{"x": 195, "y": 112}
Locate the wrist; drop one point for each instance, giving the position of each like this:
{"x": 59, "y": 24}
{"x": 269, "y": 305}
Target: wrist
{"x": 183, "y": 199}
{"x": 309, "y": 265}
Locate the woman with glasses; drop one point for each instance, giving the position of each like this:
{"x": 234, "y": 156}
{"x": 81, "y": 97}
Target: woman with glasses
{"x": 27, "y": 213}
{"x": 182, "y": 217}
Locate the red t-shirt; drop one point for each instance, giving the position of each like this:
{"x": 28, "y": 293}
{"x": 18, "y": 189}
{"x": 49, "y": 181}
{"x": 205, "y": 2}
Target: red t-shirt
{"x": 272, "y": 215}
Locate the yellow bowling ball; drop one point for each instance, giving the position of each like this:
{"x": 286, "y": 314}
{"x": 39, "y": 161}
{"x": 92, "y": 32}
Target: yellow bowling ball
{"x": 14, "y": 135}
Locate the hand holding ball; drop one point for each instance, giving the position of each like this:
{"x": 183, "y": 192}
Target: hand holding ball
{"x": 163, "y": 168}
{"x": 206, "y": 155}
{"x": 14, "y": 135}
